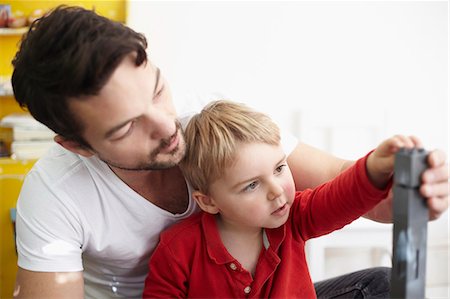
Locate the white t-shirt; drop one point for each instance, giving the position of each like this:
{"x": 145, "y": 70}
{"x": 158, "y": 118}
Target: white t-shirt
{"x": 75, "y": 214}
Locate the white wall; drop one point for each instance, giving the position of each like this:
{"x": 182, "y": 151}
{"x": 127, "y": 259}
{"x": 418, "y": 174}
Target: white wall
{"x": 360, "y": 70}
{"x": 364, "y": 56}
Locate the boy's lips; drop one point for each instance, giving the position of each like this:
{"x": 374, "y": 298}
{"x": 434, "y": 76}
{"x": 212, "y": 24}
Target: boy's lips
{"x": 281, "y": 211}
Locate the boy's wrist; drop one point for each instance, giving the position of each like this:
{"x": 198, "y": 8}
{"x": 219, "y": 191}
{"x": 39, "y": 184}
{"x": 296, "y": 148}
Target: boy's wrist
{"x": 379, "y": 178}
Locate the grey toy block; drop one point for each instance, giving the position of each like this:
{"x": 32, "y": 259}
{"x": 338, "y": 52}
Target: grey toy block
{"x": 409, "y": 165}
{"x": 410, "y": 214}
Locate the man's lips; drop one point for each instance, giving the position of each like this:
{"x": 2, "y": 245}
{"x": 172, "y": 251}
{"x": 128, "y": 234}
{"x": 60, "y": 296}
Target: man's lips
{"x": 171, "y": 144}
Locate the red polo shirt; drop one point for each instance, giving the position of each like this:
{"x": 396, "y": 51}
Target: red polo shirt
{"x": 191, "y": 260}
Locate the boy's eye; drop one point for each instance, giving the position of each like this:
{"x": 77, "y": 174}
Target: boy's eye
{"x": 280, "y": 168}
{"x": 160, "y": 91}
{"x": 251, "y": 186}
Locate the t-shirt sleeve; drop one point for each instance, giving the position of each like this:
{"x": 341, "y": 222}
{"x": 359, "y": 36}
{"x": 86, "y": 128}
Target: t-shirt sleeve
{"x": 49, "y": 236}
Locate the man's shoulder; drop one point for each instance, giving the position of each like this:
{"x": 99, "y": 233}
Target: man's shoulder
{"x": 54, "y": 164}
{"x": 58, "y": 166}
{"x": 57, "y": 157}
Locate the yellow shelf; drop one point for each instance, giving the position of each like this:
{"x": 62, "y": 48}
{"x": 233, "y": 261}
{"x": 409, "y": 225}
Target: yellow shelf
{"x": 6, "y": 95}
{"x": 13, "y": 31}
{"x": 12, "y": 174}
{"x": 113, "y": 9}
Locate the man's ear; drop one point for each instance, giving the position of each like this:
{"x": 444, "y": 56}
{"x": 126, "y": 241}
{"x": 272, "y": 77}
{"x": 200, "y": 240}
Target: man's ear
{"x": 73, "y": 146}
{"x": 205, "y": 202}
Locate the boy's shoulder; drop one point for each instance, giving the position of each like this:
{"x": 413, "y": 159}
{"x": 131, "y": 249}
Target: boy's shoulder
{"x": 186, "y": 229}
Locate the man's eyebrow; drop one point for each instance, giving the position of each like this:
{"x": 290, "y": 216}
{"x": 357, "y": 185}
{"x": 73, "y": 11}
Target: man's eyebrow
{"x": 158, "y": 75}
{"x": 116, "y": 128}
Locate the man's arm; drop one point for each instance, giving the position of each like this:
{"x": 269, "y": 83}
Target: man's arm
{"x": 311, "y": 167}
{"x": 33, "y": 285}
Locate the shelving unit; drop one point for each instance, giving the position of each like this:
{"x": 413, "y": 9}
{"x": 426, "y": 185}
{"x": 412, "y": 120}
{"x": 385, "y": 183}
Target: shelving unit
{"x": 9, "y": 41}
{"x": 13, "y": 31}
{"x": 13, "y": 172}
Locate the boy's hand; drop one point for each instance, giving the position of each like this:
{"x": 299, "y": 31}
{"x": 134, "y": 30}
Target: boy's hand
{"x": 380, "y": 163}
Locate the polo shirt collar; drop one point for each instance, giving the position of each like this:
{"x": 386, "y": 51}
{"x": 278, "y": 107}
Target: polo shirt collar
{"x": 216, "y": 249}
{"x": 275, "y": 236}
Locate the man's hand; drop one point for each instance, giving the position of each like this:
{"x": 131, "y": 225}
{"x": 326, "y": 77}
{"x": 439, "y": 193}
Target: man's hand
{"x": 435, "y": 188}
{"x": 435, "y": 184}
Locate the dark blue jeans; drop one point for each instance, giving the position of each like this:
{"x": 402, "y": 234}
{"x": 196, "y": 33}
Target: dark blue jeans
{"x": 368, "y": 283}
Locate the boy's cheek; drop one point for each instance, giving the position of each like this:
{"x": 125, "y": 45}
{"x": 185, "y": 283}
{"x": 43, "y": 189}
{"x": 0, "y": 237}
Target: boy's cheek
{"x": 289, "y": 189}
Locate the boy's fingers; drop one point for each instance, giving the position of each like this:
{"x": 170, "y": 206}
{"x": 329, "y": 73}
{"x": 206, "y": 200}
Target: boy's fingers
{"x": 407, "y": 141}
{"x": 416, "y": 141}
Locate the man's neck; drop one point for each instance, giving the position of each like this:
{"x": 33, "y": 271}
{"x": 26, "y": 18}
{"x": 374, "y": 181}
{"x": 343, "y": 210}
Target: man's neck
{"x": 165, "y": 188}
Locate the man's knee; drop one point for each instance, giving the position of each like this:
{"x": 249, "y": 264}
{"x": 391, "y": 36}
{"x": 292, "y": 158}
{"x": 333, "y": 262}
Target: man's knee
{"x": 367, "y": 283}
{"x": 377, "y": 282}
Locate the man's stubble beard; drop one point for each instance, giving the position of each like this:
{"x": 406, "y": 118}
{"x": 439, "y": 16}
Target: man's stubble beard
{"x": 176, "y": 155}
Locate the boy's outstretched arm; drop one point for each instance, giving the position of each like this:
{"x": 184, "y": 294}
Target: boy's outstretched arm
{"x": 311, "y": 167}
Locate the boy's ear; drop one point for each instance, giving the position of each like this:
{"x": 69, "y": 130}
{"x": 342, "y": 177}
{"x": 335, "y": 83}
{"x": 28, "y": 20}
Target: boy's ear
{"x": 73, "y": 146}
{"x": 205, "y": 202}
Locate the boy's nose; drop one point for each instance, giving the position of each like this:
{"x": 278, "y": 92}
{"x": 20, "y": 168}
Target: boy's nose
{"x": 275, "y": 191}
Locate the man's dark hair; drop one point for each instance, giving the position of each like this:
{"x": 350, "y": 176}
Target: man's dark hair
{"x": 69, "y": 53}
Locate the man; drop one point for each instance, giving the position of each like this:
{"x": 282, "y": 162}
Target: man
{"x": 90, "y": 211}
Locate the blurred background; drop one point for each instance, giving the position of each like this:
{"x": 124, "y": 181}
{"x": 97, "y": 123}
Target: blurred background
{"x": 340, "y": 75}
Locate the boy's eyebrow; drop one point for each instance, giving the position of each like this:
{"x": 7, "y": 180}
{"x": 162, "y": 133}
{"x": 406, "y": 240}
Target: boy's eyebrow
{"x": 254, "y": 178}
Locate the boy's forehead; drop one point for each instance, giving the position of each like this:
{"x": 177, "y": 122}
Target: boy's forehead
{"x": 253, "y": 160}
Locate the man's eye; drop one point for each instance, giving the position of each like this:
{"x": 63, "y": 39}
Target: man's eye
{"x": 124, "y": 131}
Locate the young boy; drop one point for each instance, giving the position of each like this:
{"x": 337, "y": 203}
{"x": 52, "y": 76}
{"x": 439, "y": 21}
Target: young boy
{"x": 249, "y": 239}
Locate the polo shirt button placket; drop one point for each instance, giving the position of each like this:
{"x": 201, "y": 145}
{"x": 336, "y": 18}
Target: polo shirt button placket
{"x": 233, "y": 266}
{"x": 247, "y": 290}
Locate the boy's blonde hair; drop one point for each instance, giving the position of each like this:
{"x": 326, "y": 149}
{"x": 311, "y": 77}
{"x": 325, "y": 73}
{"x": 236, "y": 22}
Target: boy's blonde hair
{"x": 213, "y": 137}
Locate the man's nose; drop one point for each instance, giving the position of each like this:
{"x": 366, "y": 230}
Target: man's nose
{"x": 160, "y": 125}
